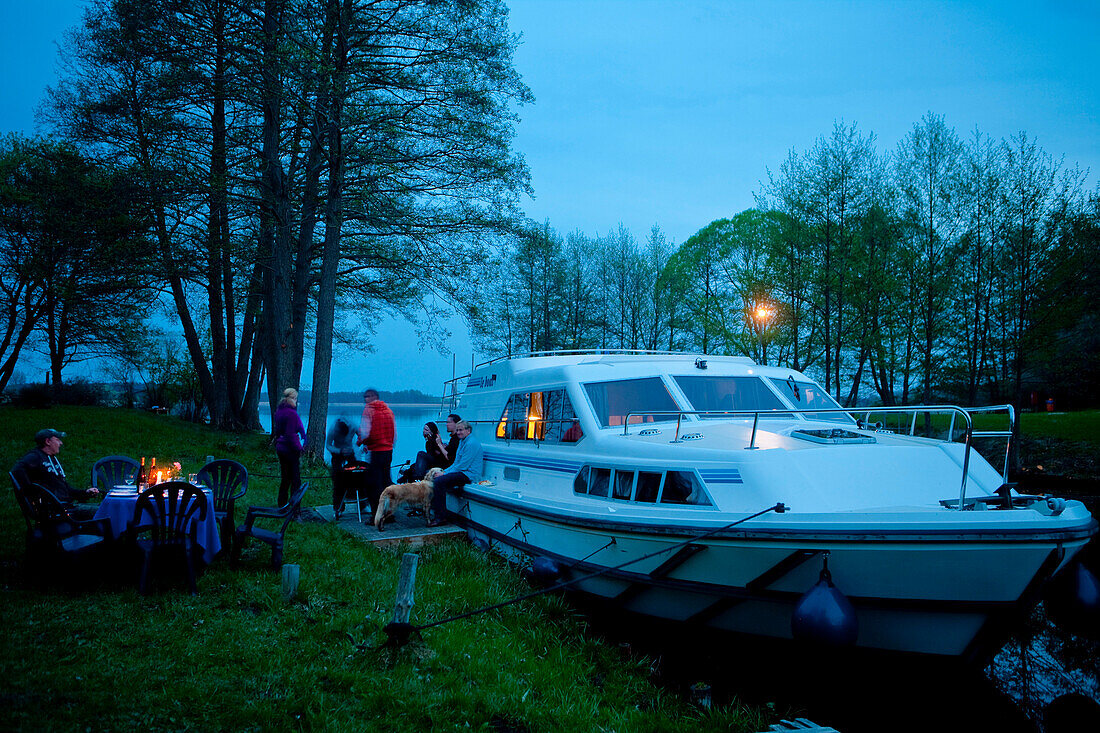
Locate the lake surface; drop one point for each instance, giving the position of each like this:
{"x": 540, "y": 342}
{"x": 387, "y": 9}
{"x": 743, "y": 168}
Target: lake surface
{"x": 408, "y": 422}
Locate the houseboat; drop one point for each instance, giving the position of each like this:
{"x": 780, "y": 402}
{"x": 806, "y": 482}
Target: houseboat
{"x": 718, "y": 492}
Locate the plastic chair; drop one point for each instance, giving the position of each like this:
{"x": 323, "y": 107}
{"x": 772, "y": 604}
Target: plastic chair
{"x": 166, "y": 519}
{"x": 52, "y": 534}
{"x": 272, "y": 537}
{"x": 113, "y": 471}
{"x": 228, "y": 480}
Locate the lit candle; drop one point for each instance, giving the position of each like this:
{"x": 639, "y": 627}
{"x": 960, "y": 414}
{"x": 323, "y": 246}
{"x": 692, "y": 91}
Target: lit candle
{"x": 158, "y": 476}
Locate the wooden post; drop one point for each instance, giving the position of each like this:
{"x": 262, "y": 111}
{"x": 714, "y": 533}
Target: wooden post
{"x": 290, "y": 581}
{"x": 406, "y": 581}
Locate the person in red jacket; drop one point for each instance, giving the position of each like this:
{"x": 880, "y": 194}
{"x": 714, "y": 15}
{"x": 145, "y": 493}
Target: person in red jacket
{"x": 376, "y": 431}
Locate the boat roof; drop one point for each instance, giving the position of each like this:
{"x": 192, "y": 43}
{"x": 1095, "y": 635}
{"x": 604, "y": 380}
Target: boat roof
{"x": 552, "y": 367}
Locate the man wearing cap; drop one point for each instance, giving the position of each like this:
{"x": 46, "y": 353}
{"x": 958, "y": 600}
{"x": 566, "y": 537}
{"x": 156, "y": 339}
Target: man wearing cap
{"x": 42, "y": 467}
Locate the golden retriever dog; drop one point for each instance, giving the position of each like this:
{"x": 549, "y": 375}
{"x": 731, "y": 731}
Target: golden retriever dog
{"x": 419, "y": 492}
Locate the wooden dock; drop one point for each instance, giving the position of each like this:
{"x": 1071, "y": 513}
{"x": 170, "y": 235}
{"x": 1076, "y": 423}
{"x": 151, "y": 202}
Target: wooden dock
{"x": 405, "y": 529}
{"x": 799, "y": 724}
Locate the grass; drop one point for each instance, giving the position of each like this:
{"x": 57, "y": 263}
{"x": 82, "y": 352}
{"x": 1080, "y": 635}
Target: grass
{"x": 99, "y": 656}
{"x": 1081, "y": 426}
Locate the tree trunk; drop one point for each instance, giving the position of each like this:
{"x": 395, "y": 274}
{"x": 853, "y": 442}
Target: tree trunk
{"x": 330, "y": 258}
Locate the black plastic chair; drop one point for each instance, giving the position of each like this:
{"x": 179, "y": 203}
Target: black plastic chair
{"x": 53, "y": 535}
{"x": 166, "y": 520}
{"x": 273, "y": 537}
{"x": 113, "y": 471}
{"x": 228, "y": 480}
{"x": 34, "y": 534}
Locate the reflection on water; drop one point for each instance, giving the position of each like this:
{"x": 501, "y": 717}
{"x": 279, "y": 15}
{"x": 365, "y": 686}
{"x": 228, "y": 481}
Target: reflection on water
{"x": 408, "y": 422}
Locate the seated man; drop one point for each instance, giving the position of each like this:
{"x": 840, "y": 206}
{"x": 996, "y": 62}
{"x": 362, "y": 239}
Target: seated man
{"x": 42, "y": 467}
{"x": 465, "y": 469}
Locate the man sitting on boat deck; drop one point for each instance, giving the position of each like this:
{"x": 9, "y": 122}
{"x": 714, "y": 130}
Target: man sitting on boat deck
{"x": 466, "y": 469}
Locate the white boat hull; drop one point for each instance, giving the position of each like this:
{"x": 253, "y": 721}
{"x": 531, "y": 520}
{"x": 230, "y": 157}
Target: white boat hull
{"x": 932, "y": 593}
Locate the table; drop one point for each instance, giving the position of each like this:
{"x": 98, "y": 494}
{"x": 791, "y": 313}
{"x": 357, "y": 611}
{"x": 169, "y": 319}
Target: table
{"x": 118, "y": 508}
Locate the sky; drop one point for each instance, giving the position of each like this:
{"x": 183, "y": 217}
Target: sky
{"x": 672, "y": 112}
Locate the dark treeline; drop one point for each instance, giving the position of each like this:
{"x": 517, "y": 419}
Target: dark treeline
{"x": 297, "y": 168}
{"x": 272, "y": 175}
{"x": 945, "y": 268}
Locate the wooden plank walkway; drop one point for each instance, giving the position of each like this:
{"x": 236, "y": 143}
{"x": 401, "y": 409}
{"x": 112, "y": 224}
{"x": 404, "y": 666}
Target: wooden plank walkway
{"x": 410, "y": 530}
{"x": 799, "y": 724}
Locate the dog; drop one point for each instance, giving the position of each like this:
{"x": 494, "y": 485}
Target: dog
{"x": 393, "y": 496}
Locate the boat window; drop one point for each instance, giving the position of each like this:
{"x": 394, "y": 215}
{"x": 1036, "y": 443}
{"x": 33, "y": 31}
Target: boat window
{"x": 730, "y": 393}
{"x": 546, "y": 416}
{"x": 804, "y": 395}
{"x": 679, "y": 487}
{"x": 648, "y": 486}
{"x": 580, "y": 483}
{"x": 682, "y": 487}
{"x": 600, "y": 478}
{"x": 624, "y": 482}
{"x": 613, "y": 401}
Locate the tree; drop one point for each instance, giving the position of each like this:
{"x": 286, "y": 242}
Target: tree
{"x": 75, "y": 239}
{"x": 299, "y": 154}
{"x": 828, "y": 191}
{"x": 928, "y": 164}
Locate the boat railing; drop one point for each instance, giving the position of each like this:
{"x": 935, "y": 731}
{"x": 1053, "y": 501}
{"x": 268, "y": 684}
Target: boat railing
{"x": 451, "y": 394}
{"x": 587, "y": 352}
{"x": 916, "y": 410}
{"x": 954, "y": 411}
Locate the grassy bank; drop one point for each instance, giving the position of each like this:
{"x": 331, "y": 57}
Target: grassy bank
{"x": 238, "y": 657}
{"x": 1062, "y": 444}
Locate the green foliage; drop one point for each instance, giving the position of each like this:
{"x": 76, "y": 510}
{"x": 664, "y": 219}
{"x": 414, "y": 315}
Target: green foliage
{"x": 238, "y": 657}
{"x": 73, "y": 229}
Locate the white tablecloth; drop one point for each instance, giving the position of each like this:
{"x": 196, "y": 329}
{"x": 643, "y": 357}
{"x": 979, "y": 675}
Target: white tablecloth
{"x": 118, "y": 508}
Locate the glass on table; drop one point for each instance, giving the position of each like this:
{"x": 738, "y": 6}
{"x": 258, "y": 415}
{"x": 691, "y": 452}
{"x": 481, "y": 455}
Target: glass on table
{"x": 193, "y": 478}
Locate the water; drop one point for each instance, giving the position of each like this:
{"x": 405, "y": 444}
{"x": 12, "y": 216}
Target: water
{"x": 408, "y": 422}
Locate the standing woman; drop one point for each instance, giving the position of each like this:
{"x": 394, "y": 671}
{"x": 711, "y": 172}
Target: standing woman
{"x": 289, "y": 436}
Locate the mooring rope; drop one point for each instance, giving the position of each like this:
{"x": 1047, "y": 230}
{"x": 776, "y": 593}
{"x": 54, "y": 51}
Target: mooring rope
{"x": 600, "y": 549}
{"x": 399, "y": 633}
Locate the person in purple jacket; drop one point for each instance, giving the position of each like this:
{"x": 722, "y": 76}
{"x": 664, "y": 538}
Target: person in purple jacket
{"x": 289, "y": 435}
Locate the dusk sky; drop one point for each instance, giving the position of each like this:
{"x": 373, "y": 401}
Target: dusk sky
{"x": 671, "y": 112}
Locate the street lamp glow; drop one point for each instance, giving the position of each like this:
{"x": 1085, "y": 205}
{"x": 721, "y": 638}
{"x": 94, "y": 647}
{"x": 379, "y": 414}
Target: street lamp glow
{"x": 763, "y": 312}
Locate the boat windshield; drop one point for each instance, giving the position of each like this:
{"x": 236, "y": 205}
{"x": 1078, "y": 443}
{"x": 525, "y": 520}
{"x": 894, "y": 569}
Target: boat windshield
{"x": 613, "y": 401}
{"x": 804, "y": 395}
{"x": 718, "y": 393}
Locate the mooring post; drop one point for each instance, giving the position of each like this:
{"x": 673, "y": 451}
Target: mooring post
{"x": 290, "y": 581}
{"x": 406, "y": 581}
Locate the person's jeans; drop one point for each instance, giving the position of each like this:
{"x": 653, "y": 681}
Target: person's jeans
{"x": 379, "y": 477}
{"x": 290, "y": 475}
{"x": 338, "y": 462}
{"x": 444, "y": 483}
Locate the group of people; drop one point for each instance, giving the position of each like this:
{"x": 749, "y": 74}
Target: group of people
{"x": 460, "y": 457}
